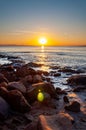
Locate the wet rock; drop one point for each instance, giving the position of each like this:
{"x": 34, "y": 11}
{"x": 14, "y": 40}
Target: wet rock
{"x": 77, "y": 80}
{"x": 37, "y": 79}
{"x": 45, "y": 73}
{"x": 43, "y": 87}
{"x": 74, "y": 107}
{"x": 79, "y": 88}
{"x": 32, "y": 64}
{"x": 54, "y": 67}
{"x": 48, "y": 79}
{"x": 59, "y": 91}
{"x": 3, "y": 79}
{"x": 66, "y": 70}
{"x": 24, "y": 71}
{"x": 60, "y": 121}
{"x": 17, "y": 85}
{"x": 4, "y": 109}
{"x": 17, "y": 101}
{"x": 57, "y": 74}
{"x": 66, "y": 100}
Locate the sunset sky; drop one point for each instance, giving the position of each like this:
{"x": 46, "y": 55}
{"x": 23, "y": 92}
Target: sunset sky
{"x": 61, "y": 22}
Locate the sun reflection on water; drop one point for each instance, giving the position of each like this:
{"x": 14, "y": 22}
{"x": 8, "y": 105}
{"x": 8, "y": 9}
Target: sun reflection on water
{"x": 43, "y": 58}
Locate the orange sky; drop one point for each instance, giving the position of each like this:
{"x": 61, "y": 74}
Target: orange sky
{"x": 61, "y": 22}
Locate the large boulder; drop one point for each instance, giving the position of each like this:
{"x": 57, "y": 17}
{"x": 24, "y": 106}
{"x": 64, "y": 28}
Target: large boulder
{"x": 32, "y": 93}
{"x": 74, "y": 107}
{"x": 77, "y": 80}
{"x": 60, "y": 121}
{"x": 16, "y": 85}
{"x": 37, "y": 78}
{"x": 27, "y": 80}
{"x": 17, "y": 101}
{"x": 4, "y": 109}
{"x": 24, "y": 71}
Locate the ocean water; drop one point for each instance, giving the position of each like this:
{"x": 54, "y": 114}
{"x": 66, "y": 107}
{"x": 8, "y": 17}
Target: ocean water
{"x": 74, "y": 57}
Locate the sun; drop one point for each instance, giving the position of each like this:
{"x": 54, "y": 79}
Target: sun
{"x": 42, "y": 41}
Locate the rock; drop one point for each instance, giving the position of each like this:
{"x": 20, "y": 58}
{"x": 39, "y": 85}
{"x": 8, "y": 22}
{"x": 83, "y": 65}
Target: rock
{"x": 37, "y": 79}
{"x": 43, "y": 87}
{"x": 48, "y": 79}
{"x": 77, "y": 80}
{"x": 17, "y": 101}
{"x": 3, "y": 92}
{"x": 57, "y": 74}
{"x": 3, "y": 84}
{"x": 4, "y": 109}
{"x": 32, "y": 126}
{"x": 31, "y": 64}
{"x": 44, "y": 98}
{"x": 67, "y": 70}
{"x": 59, "y": 91}
{"x": 74, "y": 107}
{"x": 10, "y": 76}
{"x": 7, "y": 68}
{"x": 60, "y": 121}
{"x": 27, "y": 80}
{"x": 79, "y": 88}
{"x": 24, "y": 71}
{"x": 54, "y": 67}
{"x": 45, "y": 73}
{"x": 17, "y": 85}
{"x": 3, "y": 79}
{"x": 66, "y": 100}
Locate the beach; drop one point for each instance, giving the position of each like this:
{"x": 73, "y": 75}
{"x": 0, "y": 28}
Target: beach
{"x": 39, "y": 85}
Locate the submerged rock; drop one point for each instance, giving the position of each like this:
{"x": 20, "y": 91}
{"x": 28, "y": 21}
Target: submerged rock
{"x": 77, "y": 80}
{"x": 67, "y": 70}
{"x": 57, "y": 74}
{"x": 74, "y": 107}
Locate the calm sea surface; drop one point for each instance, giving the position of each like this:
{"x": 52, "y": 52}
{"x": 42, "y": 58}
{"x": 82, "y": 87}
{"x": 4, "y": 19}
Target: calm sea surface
{"x": 74, "y": 57}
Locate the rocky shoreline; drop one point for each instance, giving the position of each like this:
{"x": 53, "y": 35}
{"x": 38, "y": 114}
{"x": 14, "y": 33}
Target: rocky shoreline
{"x": 29, "y": 100}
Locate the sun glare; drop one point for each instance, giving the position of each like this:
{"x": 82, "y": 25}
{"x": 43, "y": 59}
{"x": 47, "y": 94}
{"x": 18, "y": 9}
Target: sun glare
{"x": 42, "y": 41}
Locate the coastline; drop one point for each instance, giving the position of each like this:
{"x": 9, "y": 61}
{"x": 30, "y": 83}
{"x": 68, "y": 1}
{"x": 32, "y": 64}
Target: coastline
{"x": 18, "y": 81}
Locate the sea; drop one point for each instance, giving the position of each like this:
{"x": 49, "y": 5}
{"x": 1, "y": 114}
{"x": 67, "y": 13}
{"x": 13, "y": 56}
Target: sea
{"x": 73, "y": 57}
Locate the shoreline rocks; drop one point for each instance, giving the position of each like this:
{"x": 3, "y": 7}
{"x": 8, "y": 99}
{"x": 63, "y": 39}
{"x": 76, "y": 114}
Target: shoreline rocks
{"x": 33, "y": 101}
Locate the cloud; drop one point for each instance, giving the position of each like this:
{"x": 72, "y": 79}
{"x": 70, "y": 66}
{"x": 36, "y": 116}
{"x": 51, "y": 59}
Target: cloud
{"x": 19, "y": 32}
